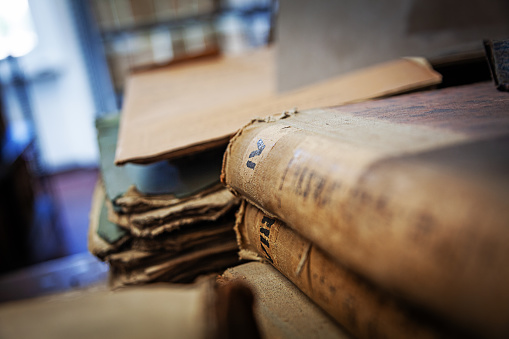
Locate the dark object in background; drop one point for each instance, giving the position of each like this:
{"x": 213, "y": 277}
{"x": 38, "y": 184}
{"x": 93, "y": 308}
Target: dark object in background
{"x": 16, "y": 212}
{"x": 29, "y": 228}
{"x": 497, "y": 52}
{"x": 462, "y": 68}
{"x": 234, "y": 311}
{"x": 16, "y": 197}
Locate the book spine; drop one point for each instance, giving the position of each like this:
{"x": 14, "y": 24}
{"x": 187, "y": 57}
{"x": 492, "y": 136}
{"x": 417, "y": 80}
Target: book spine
{"x": 383, "y": 217}
{"x": 362, "y": 309}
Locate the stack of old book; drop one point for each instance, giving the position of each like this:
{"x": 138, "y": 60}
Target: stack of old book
{"x": 392, "y": 215}
{"x": 161, "y": 222}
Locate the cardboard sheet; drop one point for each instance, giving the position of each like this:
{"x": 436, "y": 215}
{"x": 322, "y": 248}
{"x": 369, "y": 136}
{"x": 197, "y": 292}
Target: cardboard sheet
{"x": 169, "y": 104}
{"x": 176, "y": 111}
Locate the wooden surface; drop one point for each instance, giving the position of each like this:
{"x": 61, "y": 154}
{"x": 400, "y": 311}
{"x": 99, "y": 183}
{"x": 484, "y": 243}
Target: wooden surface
{"x": 147, "y": 312}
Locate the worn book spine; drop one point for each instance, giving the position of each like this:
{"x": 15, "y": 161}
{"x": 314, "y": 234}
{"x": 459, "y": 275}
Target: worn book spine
{"x": 423, "y": 226}
{"x": 356, "y": 304}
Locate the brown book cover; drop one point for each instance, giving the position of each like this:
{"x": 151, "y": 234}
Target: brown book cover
{"x": 199, "y": 105}
{"x": 356, "y": 304}
{"x": 411, "y": 192}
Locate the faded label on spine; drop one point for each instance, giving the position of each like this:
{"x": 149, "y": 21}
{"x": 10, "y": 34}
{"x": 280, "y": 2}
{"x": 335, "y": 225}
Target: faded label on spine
{"x": 260, "y": 146}
{"x": 265, "y": 228}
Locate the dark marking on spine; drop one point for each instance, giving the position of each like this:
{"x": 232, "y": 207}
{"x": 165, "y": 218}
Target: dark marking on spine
{"x": 264, "y": 241}
{"x": 350, "y": 310}
{"x": 265, "y": 231}
{"x": 285, "y": 173}
{"x": 308, "y": 186}
{"x": 302, "y": 175}
{"x": 261, "y": 147}
{"x": 423, "y": 227}
{"x": 326, "y": 196}
{"x": 381, "y": 203}
{"x": 268, "y": 221}
{"x": 319, "y": 188}
{"x": 267, "y": 255}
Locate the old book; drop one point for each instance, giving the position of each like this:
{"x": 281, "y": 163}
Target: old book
{"x": 182, "y": 268}
{"x": 411, "y": 192}
{"x": 176, "y": 255}
{"x": 196, "y": 106}
{"x": 281, "y": 309}
{"x": 165, "y": 221}
{"x": 356, "y": 304}
{"x": 106, "y": 236}
{"x": 158, "y": 311}
{"x": 137, "y": 188}
{"x": 209, "y": 207}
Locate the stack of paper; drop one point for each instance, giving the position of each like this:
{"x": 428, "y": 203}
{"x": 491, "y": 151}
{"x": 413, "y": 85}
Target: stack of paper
{"x": 161, "y": 222}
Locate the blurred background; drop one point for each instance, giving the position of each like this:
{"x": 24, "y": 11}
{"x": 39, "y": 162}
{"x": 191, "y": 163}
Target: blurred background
{"x": 64, "y": 62}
